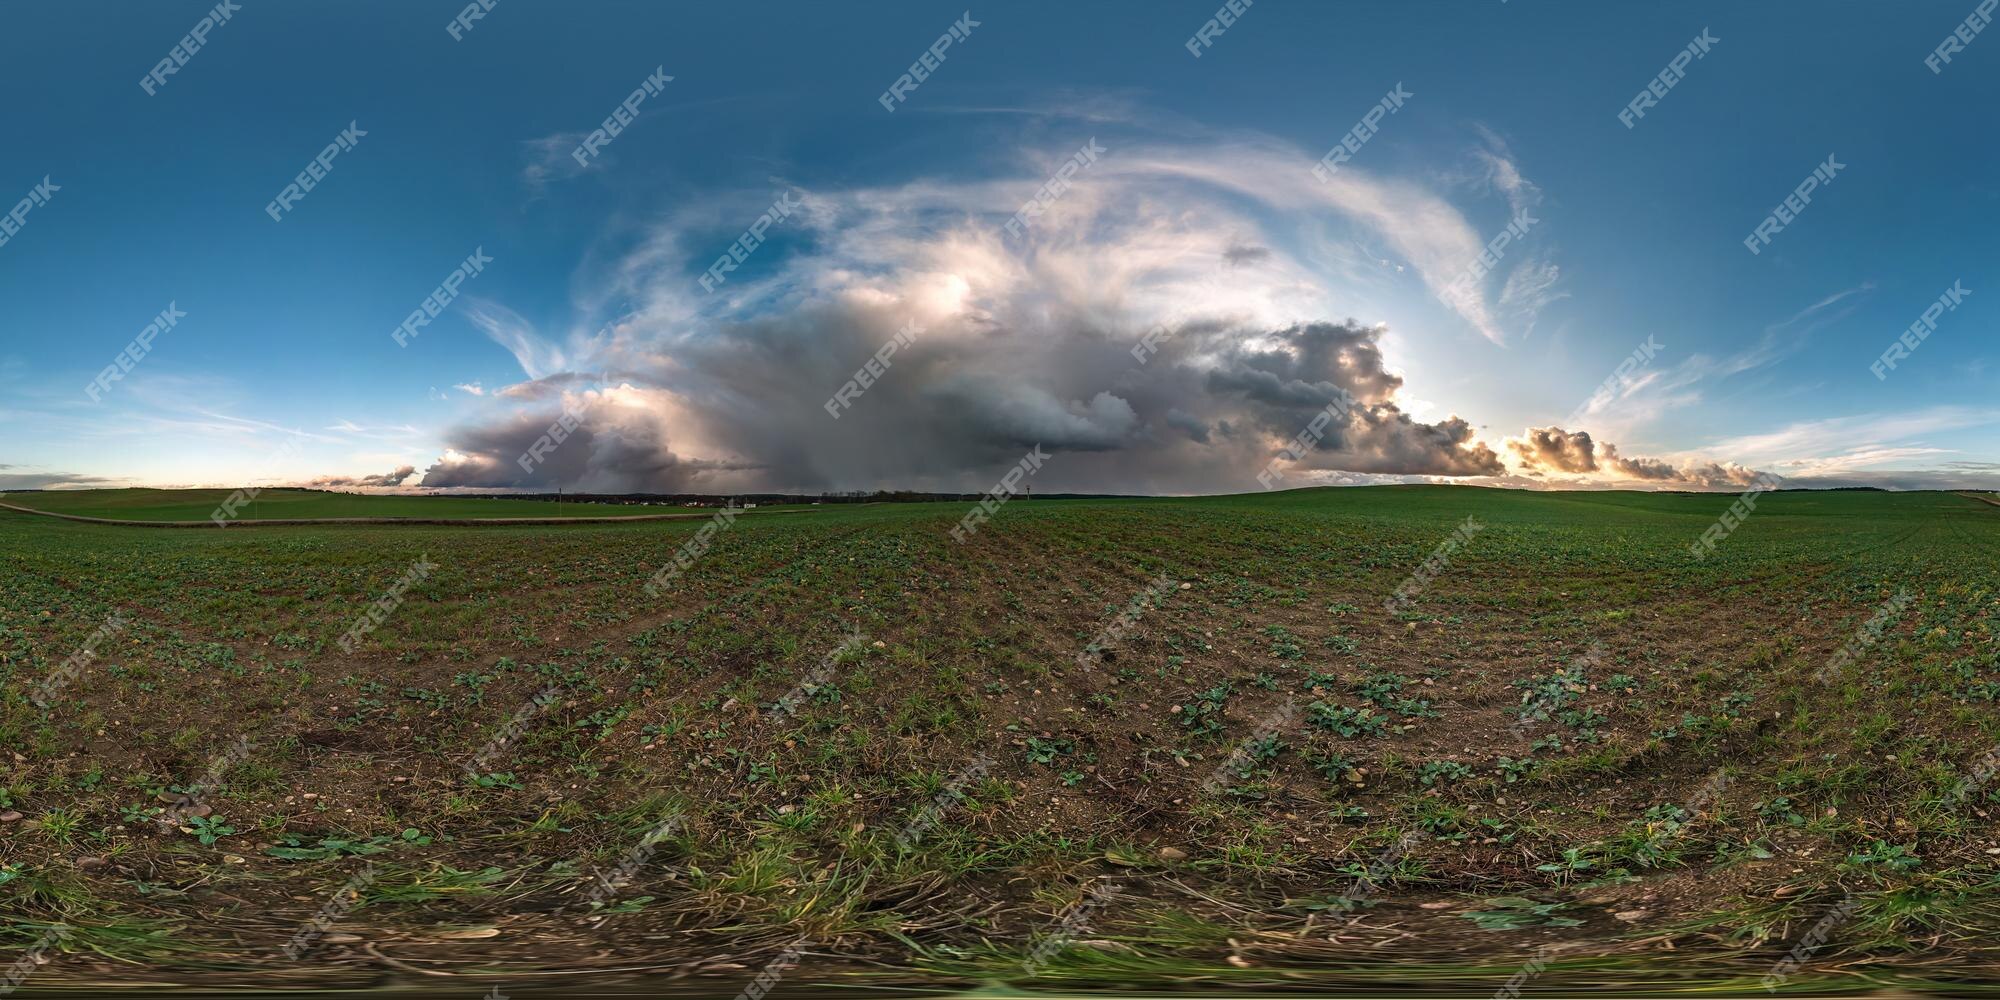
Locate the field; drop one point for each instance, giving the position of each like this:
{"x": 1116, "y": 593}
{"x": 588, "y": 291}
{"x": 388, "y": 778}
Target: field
{"x": 1103, "y": 742}
{"x": 272, "y": 504}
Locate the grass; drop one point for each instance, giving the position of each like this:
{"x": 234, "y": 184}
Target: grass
{"x": 271, "y": 504}
{"x": 1537, "y": 729}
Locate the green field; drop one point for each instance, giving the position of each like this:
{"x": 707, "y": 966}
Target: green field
{"x": 278, "y": 504}
{"x": 1214, "y": 753}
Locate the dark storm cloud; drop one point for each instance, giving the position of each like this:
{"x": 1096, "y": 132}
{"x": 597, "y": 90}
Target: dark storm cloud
{"x": 1188, "y": 424}
{"x": 1295, "y": 373}
{"x": 1023, "y": 341}
{"x": 386, "y": 479}
{"x": 963, "y": 398}
{"x": 616, "y": 445}
{"x": 51, "y": 480}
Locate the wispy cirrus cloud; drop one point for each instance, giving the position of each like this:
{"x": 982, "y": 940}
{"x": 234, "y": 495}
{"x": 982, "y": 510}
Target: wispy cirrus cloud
{"x": 536, "y": 355}
{"x": 547, "y": 159}
{"x": 1650, "y": 394}
{"x": 1843, "y": 443}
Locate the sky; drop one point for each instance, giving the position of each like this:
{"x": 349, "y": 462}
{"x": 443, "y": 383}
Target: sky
{"x": 1108, "y": 233}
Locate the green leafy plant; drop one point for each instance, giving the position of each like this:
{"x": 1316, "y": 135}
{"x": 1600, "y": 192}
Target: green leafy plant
{"x": 1044, "y": 751}
{"x": 1573, "y": 863}
{"x": 209, "y": 829}
{"x": 1436, "y": 772}
{"x": 1342, "y": 720}
{"x": 1779, "y": 809}
{"x": 1881, "y": 853}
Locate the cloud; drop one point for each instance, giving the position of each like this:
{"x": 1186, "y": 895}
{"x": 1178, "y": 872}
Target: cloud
{"x": 1281, "y": 387}
{"x": 1240, "y": 254}
{"x": 1829, "y": 444}
{"x": 385, "y": 480}
{"x": 1638, "y": 468}
{"x": 54, "y": 481}
{"x": 510, "y": 330}
{"x": 547, "y": 159}
{"x": 1546, "y": 450}
{"x": 1720, "y": 475}
{"x": 1187, "y": 423}
{"x": 620, "y": 443}
{"x": 1414, "y": 222}
{"x": 1502, "y": 173}
{"x": 1530, "y": 288}
{"x": 740, "y": 406}
{"x": 388, "y": 432}
{"x": 470, "y": 388}
{"x": 1648, "y": 394}
{"x": 1025, "y": 340}
{"x": 1565, "y": 451}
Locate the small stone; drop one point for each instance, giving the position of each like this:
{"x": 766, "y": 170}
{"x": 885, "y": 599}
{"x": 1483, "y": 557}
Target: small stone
{"x": 1187, "y": 586}
{"x": 1172, "y": 854}
{"x": 89, "y": 864}
{"x": 1630, "y": 915}
{"x": 235, "y": 859}
{"x": 10, "y": 816}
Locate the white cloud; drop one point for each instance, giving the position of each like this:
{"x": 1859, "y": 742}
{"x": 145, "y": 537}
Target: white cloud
{"x": 536, "y": 356}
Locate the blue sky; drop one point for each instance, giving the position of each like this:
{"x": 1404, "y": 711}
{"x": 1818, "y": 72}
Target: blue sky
{"x": 1201, "y": 214}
